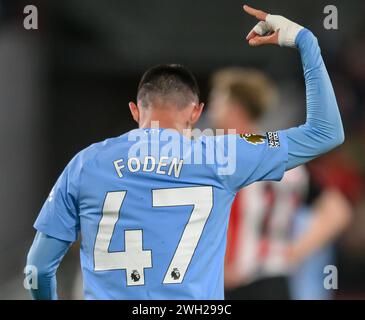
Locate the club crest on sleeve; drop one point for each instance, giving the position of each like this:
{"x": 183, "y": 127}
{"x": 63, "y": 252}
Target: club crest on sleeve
{"x": 273, "y": 139}
{"x": 254, "y": 139}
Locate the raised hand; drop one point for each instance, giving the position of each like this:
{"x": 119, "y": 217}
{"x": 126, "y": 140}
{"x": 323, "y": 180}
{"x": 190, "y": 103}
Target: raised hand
{"x": 272, "y": 29}
{"x": 262, "y": 33}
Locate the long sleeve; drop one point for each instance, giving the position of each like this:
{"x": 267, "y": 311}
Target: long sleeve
{"x": 45, "y": 256}
{"x": 323, "y": 129}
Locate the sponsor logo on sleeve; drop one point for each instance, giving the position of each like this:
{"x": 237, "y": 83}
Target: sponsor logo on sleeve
{"x": 273, "y": 139}
{"x": 254, "y": 139}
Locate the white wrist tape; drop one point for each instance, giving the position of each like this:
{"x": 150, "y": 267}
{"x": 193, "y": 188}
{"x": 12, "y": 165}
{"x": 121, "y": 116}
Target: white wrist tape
{"x": 288, "y": 30}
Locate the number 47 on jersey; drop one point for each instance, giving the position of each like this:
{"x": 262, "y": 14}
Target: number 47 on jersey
{"x": 134, "y": 259}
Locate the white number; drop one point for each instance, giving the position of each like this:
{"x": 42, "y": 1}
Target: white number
{"x": 202, "y": 200}
{"x": 134, "y": 259}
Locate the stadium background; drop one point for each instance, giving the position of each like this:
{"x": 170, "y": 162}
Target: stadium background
{"x": 67, "y": 85}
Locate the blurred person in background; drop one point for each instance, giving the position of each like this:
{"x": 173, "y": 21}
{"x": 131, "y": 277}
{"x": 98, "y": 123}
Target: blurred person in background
{"x": 58, "y": 225}
{"x": 260, "y": 251}
{"x": 335, "y": 188}
{"x": 50, "y": 79}
{"x": 324, "y": 215}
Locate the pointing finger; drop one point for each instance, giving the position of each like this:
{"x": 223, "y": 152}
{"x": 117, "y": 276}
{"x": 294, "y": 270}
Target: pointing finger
{"x": 258, "y": 14}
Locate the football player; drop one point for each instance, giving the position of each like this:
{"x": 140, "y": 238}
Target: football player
{"x": 152, "y": 225}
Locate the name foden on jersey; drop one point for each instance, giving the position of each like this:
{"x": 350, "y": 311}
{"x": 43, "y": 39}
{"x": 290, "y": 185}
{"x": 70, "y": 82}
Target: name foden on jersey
{"x": 149, "y": 164}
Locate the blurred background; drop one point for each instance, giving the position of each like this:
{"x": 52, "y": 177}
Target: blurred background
{"x": 68, "y": 84}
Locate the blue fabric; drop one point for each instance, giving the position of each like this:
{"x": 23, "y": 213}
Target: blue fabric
{"x": 323, "y": 129}
{"x": 75, "y": 204}
{"x": 45, "y": 255}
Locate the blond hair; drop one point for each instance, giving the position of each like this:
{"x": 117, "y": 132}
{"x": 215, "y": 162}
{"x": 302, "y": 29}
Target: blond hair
{"x": 249, "y": 88}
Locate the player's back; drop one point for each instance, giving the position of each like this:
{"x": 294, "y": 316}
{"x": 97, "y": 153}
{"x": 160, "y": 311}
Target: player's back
{"x": 152, "y": 209}
{"x": 149, "y": 222}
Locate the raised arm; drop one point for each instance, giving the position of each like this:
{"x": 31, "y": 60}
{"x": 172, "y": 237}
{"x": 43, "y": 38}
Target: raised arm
{"x": 323, "y": 129}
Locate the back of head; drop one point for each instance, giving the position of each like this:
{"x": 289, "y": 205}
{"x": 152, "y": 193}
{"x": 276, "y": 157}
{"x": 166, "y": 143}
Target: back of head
{"x": 248, "y": 88}
{"x": 168, "y": 85}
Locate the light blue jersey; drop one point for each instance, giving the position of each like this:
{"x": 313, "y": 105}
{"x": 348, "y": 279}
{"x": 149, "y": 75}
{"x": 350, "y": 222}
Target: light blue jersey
{"x": 154, "y": 226}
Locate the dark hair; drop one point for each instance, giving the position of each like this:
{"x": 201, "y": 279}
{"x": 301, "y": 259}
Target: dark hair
{"x": 168, "y": 83}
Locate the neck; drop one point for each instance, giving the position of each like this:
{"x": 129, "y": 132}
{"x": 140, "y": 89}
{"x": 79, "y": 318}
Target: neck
{"x": 164, "y": 119}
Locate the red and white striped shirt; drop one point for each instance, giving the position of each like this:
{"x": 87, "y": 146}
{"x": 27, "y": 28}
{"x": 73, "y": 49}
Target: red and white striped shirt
{"x": 259, "y": 228}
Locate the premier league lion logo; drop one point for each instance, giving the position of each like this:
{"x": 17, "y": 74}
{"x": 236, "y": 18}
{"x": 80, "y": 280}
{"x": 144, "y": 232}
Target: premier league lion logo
{"x": 253, "y": 138}
{"x": 135, "y": 276}
{"x": 175, "y": 274}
